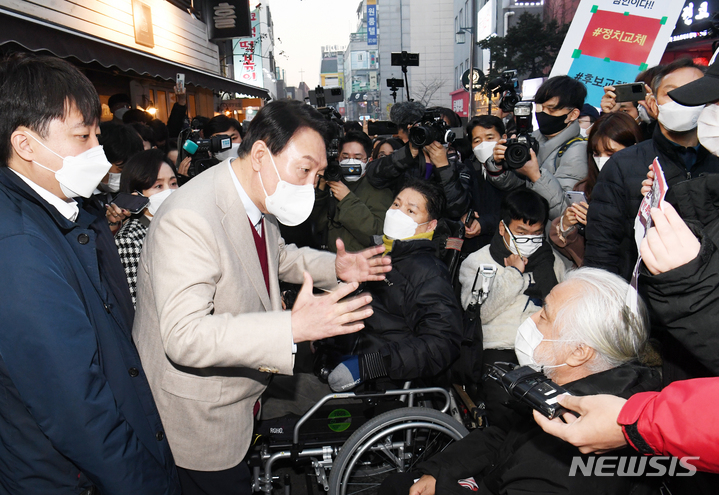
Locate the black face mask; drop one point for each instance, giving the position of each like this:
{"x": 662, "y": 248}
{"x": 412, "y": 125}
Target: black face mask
{"x": 549, "y": 124}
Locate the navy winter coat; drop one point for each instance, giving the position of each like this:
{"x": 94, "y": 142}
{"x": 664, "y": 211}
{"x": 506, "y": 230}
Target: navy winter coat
{"x": 75, "y": 407}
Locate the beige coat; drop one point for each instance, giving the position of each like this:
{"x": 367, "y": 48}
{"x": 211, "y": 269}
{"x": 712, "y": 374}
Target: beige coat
{"x": 208, "y": 334}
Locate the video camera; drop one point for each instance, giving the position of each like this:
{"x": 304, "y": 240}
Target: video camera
{"x": 431, "y": 128}
{"x": 201, "y": 150}
{"x": 529, "y": 387}
{"x": 507, "y": 84}
{"x": 517, "y": 152}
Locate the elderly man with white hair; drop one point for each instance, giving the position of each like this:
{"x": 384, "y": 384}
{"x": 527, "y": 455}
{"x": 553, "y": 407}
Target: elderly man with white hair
{"x": 586, "y": 340}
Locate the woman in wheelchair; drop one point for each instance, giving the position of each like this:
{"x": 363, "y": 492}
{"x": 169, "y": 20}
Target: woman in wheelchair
{"x": 416, "y": 328}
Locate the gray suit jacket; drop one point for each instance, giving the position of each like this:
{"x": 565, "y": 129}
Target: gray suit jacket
{"x": 208, "y": 333}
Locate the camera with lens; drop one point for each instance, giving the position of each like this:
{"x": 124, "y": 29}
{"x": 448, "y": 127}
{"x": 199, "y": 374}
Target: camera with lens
{"x": 201, "y": 150}
{"x": 335, "y": 171}
{"x": 431, "y": 128}
{"x": 506, "y": 85}
{"x": 517, "y": 152}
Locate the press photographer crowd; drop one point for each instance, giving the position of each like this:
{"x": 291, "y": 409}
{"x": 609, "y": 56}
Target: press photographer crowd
{"x": 174, "y": 290}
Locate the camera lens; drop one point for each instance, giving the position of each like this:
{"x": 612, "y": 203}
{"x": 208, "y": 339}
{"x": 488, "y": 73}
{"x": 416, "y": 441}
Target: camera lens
{"x": 420, "y": 135}
{"x": 516, "y": 155}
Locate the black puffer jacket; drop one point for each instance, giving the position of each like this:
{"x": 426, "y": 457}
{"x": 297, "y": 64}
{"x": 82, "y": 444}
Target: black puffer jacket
{"x": 485, "y": 200}
{"x": 684, "y": 302}
{"x": 417, "y": 320}
{"x": 389, "y": 172}
{"x": 527, "y": 460}
{"x": 617, "y": 194}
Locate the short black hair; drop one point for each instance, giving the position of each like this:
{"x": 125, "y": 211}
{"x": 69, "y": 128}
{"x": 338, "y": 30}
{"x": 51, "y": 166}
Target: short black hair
{"x": 144, "y": 131}
{"x": 451, "y": 115}
{"x": 487, "y": 122}
{"x": 571, "y": 93}
{"x": 432, "y": 193}
{"x": 141, "y": 171}
{"x": 37, "y": 90}
{"x": 524, "y": 205}
{"x": 222, "y": 123}
{"x": 120, "y": 142}
{"x": 159, "y": 129}
{"x": 395, "y": 143}
{"x": 118, "y": 98}
{"x": 665, "y": 70}
{"x": 352, "y": 125}
{"x": 356, "y": 137}
{"x": 136, "y": 115}
{"x": 278, "y": 121}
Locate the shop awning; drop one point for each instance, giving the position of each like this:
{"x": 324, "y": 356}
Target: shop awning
{"x": 37, "y": 35}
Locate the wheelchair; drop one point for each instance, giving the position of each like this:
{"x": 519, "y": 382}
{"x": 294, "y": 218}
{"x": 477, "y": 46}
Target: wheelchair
{"x": 349, "y": 452}
{"x": 351, "y": 447}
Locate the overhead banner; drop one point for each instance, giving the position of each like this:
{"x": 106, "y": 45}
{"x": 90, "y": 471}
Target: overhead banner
{"x": 371, "y": 22}
{"x": 611, "y": 41}
{"x": 226, "y": 19}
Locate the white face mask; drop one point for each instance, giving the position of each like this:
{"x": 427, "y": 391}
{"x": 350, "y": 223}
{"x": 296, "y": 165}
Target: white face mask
{"x": 524, "y": 248}
{"x": 601, "y": 161}
{"x": 708, "y": 128}
{"x": 355, "y": 162}
{"x": 484, "y": 150}
{"x": 120, "y": 112}
{"x": 643, "y": 115}
{"x": 526, "y": 342}
{"x": 291, "y": 204}
{"x": 228, "y": 153}
{"x": 81, "y": 174}
{"x": 399, "y": 225}
{"x": 113, "y": 183}
{"x": 678, "y": 118}
{"x": 157, "y": 199}
{"x": 584, "y": 132}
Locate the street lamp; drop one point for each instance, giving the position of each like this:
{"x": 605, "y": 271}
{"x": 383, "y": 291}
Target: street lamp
{"x": 459, "y": 38}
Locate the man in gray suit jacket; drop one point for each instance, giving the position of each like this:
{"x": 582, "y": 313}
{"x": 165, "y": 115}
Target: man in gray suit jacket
{"x": 209, "y": 326}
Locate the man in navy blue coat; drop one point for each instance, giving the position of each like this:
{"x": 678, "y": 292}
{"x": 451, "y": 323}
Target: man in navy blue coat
{"x": 76, "y": 412}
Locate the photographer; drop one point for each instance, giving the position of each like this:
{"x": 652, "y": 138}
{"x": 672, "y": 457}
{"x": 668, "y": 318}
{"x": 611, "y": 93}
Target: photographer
{"x": 428, "y": 162}
{"x": 346, "y": 205}
{"x": 485, "y": 132}
{"x": 560, "y": 161}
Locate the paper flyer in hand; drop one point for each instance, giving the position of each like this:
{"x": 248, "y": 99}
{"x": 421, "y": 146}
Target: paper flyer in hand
{"x": 643, "y": 223}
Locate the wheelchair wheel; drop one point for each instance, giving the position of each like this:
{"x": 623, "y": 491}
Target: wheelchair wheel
{"x": 395, "y": 441}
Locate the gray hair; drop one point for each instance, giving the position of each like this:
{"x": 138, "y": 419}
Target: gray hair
{"x": 406, "y": 113}
{"x": 596, "y": 315}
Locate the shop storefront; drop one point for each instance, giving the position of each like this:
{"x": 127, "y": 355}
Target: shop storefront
{"x": 139, "y": 57}
{"x": 697, "y": 32}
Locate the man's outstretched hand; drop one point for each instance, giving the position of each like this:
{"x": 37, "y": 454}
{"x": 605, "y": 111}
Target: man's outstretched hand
{"x": 319, "y": 317}
{"x": 363, "y": 266}
{"x": 595, "y": 430}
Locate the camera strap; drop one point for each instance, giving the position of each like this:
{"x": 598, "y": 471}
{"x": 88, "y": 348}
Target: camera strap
{"x": 487, "y": 271}
{"x": 564, "y": 148}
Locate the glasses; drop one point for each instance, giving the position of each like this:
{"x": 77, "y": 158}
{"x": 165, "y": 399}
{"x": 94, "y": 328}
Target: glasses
{"x": 525, "y": 240}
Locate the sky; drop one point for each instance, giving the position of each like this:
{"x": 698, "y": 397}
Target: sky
{"x": 302, "y": 27}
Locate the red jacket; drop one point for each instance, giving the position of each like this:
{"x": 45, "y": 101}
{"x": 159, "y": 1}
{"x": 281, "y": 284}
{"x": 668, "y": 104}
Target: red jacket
{"x": 681, "y": 420}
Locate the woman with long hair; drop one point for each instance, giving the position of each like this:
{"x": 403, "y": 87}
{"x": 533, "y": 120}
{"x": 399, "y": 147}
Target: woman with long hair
{"x": 610, "y": 133}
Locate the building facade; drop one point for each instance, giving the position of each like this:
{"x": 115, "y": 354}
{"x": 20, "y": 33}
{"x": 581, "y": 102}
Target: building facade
{"x": 417, "y": 26}
{"x": 135, "y": 47}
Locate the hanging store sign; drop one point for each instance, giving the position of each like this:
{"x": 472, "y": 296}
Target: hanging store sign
{"x": 371, "y": 22}
{"x": 227, "y": 19}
